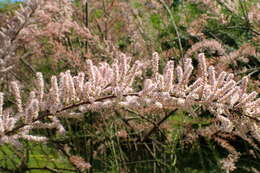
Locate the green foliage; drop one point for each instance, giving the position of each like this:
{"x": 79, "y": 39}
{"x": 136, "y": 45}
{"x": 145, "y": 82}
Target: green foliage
{"x": 8, "y": 5}
{"x": 156, "y": 21}
{"x": 136, "y": 4}
{"x": 98, "y": 13}
{"x": 124, "y": 42}
{"x": 39, "y": 158}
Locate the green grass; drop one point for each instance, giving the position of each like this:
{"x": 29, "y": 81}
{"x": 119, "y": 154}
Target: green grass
{"x": 37, "y": 156}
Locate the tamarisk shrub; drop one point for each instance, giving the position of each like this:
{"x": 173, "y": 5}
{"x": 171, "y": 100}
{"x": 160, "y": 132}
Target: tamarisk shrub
{"x": 106, "y": 86}
{"x": 9, "y": 34}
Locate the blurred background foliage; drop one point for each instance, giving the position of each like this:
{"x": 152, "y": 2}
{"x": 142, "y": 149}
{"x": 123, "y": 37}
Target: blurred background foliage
{"x": 138, "y": 28}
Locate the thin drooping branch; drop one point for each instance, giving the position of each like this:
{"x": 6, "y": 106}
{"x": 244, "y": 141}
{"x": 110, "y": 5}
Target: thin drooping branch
{"x": 47, "y": 113}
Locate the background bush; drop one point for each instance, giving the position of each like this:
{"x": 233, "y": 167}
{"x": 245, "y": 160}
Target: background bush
{"x": 101, "y": 30}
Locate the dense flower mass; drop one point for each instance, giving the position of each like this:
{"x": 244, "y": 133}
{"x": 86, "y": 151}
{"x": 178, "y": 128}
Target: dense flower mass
{"x": 112, "y": 86}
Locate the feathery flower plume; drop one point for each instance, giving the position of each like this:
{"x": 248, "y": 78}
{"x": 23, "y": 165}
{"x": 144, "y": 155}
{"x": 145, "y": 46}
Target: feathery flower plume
{"x": 1, "y": 103}
{"x": 168, "y": 75}
{"x": 155, "y": 63}
{"x": 16, "y": 92}
{"x": 108, "y": 86}
{"x": 203, "y": 66}
{"x": 40, "y": 86}
{"x": 54, "y": 98}
{"x": 205, "y": 44}
{"x": 80, "y": 163}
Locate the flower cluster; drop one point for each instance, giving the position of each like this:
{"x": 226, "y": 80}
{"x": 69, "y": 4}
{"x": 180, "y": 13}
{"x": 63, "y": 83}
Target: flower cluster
{"x": 111, "y": 86}
{"x": 34, "y": 20}
{"x": 8, "y": 34}
{"x": 79, "y": 163}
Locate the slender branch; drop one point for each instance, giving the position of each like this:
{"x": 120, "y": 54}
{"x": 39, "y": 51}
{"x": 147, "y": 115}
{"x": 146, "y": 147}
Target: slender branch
{"x": 97, "y": 100}
{"x": 174, "y": 25}
{"x": 6, "y": 169}
{"x": 46, "y": 113}
{"x": 225, "y": 6}
{"x": 149, "y": 133}
{"x": 147, "y": 119}
{"x": 124, "y": 120}
{"x": 26, "y": 63}
{"x": 86, "y": 13}
{"x": 86, "y": 22}
{"x": 55, "y": 170}
{"x": 238, "y": 112}
{"x": 252, "y": 71}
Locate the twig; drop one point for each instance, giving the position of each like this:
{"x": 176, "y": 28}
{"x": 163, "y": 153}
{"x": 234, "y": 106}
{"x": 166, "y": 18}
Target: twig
{"x": 225, "y": 5}
{"x": 6, "y": 169}
{"x": 174, "y": 25}
{"x": 148, "y": 134}
{"x": 148, "y": 120}
{"x": 55, "y": 170}
{"x": 252, "y": 71}
{"x": 124, "y": 120}
{"x": 26, "y": 63}
{"x": 46, "y": 113}
{"x": 86, "y": 22}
